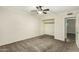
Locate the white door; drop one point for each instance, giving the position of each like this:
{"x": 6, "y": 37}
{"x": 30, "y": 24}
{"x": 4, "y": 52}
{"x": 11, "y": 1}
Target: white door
{"x": 77, "y": 30}
{"x": 49, "y": 29}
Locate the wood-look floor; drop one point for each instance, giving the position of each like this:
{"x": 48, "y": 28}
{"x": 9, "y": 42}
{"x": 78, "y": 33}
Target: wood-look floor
{"x": 43, "y": 43}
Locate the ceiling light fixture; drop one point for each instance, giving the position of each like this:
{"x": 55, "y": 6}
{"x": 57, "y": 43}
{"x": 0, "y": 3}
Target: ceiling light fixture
{"x": 39, "y": 12}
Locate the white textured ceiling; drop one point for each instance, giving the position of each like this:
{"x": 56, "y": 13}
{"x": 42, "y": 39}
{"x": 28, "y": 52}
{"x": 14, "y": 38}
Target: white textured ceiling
{"x": 56, "y": 9}
{"x": 52, "y": 8}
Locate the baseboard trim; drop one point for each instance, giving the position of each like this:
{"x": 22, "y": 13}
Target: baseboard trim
{"x": 60, "y": 40}
{"x": 18, "y": 40}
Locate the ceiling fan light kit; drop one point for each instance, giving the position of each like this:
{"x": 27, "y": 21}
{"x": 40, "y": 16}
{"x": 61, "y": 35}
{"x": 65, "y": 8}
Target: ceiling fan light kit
{"x": 39, "y": 12}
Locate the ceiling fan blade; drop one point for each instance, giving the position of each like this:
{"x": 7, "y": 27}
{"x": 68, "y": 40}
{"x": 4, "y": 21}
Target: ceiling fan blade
{"x": 39, "y": 8}
{"x": 46, "y": 10}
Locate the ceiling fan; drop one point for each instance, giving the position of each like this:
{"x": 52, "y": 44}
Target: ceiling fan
{"x": 40, "y": 10}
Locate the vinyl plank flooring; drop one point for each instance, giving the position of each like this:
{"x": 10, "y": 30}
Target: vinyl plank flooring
{"x": 44, "y": 43}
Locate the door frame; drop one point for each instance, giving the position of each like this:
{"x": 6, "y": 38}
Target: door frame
{"x": 65, "y": 26}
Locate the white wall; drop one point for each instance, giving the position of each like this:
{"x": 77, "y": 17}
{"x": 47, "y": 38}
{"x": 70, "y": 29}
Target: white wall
{"x": 41, "y": 27}
{"x": 16, "y": 25}
{"x": 59, "y": 27}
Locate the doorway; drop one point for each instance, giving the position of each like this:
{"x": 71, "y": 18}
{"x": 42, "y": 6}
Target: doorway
{"x": 70, "y": 29}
